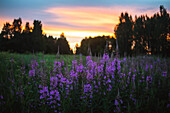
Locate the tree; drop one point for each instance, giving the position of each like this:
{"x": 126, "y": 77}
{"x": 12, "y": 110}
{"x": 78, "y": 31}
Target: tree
{"x": 27, "y": 28}
{"x": 17, "y": 25}
{"x": 7, "y": 31}
{"x": 139, "y": 38}
{"x": 124, "y": 34}
{"x": 63, "y": 45}
{"x": 37, "y": 41}
{"x": 5, "y": 36}
{"x": 157, "y": 28}
{"x": 51, "y": 46}
{"x": 96, "y": 45}
{"x": 77, "y": 48}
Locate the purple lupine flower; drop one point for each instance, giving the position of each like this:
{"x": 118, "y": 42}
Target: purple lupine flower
{"x": 99, "y": 83}
{"x": 41, "y": 97}
{"x": 34, "y": 64}
{"x": 45, "y": 89}
{"x": 116, "y": 102}
{"x": 56, "y": 63}
{"x": 80, "y": 68}
{"x": 146, "y": 68}
{"x": 96, "y": 86}
{"x": 88, "y": 58}
{"x": 87, "y": 88}
{"x": 105, "y": 57}
{"x": 44, "y": 92}
{"x": 100, "y": 68}
{"x": 74, "y": 74}
{"x": 89, "y": 76}
{"x": 108, "y": 81}
{"x": 32, "y": 73}
{"x": 151, "y": 66}
{"x": 57, "y": 67}
{"x": 50, "y": 98}
{"x": 63, "y": 80}
{"x": 121, "y": 101}
{"x": 164, "y": 74}
{"x": 52, "y": 92}
{"x": 110, "y": 88}
{"x": 119, "y": 68}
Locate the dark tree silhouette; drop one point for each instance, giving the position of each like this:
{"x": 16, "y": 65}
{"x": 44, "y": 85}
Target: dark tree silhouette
{"x": 145, "y": 35}
{"x": 12, "y": 39}
{"x": 27, "y": 28}
{"x": 77, "y": 48}
{"x": 63, "y": 45}
{"x": 139, "y": 36}
{"x": 97, "y": 45}
{"x": 124, "y": 34}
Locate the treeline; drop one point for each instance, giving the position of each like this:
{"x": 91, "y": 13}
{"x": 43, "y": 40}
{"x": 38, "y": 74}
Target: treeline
{"x": 96, "y": 46}
{"x": 15, "y": 39}
{"x": 144, "y": 35}
{"x": 141, "y": 36}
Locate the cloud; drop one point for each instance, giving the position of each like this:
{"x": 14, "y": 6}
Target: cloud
{"x": 83, "y": 18}
{"x": 92, "y": 18}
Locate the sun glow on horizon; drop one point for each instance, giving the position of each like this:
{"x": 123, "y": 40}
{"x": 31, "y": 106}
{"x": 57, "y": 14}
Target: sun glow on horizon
{"x": 75, "y": 37}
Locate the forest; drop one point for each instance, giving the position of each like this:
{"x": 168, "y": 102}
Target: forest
{"x": 132, "y": 37}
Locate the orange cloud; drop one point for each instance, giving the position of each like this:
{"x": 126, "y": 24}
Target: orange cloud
{"x": 90, "y": 21}
{"x": 84, "y": 16}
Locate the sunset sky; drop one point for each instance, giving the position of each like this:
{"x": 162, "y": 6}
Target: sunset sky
{"x": 76, "y": 18}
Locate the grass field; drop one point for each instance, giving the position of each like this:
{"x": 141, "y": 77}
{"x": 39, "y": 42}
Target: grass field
{"x": 78, "y": 84}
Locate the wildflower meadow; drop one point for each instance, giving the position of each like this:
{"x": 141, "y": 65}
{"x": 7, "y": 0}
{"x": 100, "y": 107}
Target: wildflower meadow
{"x": 80, "y": 84}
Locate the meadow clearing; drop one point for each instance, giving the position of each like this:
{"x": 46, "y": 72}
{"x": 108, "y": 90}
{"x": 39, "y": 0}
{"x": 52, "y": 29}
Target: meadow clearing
{"x": 83, "y": 84}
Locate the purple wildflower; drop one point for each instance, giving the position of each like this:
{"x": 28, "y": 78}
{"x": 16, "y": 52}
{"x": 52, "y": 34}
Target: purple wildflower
{"x": 32, "y": 73}
{"x": 146, "y": 68}
{"x": 1, "y": 97}
{"x": 164, "y": 74}
{"x": 116, "y": 102}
